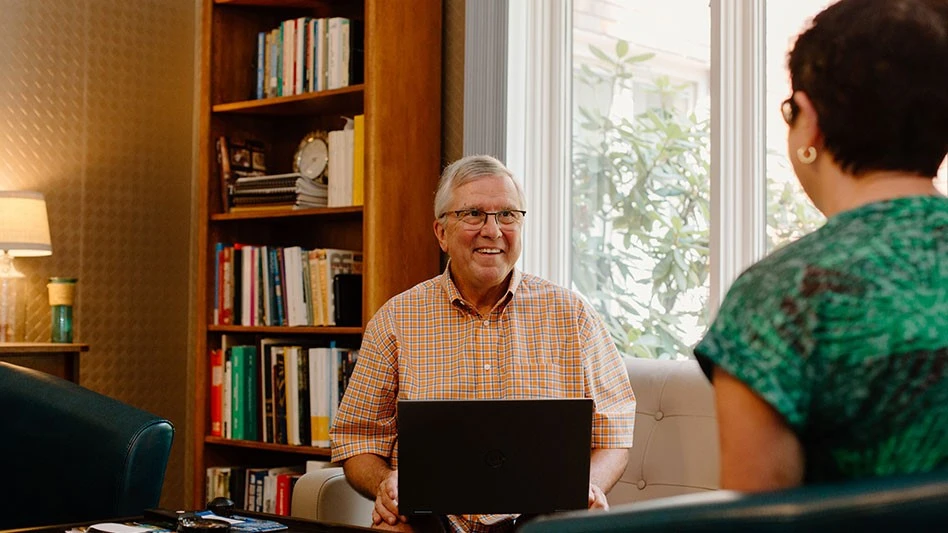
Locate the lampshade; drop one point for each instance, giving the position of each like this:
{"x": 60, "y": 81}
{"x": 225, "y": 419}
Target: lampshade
{"x": 24, "y": 226}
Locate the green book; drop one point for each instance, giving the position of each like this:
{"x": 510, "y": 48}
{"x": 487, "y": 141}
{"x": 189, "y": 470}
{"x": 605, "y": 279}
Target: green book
{"x": 237, "y": 394}
{"x": 251, "y": 397}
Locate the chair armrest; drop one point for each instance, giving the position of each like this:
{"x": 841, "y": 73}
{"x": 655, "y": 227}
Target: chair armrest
{"x": 914, "y": 502}
{"x": 325, "y": 495}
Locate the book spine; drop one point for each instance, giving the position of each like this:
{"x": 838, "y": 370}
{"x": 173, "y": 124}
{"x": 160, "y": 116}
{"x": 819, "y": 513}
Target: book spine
{"x": 251, "y": 405}
{"x": 291, "y": 368}
{"x": 266, "y": 393}
{"x": 216, "y": 392}
{"x": 277, "y": 294}
{"x": 303, "y": 387}
{"x": 218, "y": 280}
{"x": 226, "y": 412}
{"x": 319, "y": 396}
{"x": 237, "y": 406}
{"x": 261, "y": 59}
{"x": 279, "y": 396}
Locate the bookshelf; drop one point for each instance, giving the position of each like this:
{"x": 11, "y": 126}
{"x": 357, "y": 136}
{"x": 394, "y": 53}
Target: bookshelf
{"x": 400, "y": 99}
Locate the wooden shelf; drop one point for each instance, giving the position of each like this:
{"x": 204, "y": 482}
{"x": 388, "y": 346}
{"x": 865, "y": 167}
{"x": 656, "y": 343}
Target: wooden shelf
{"x": 341, "y": 101}
{"x": 327, "y": 212}
{"x": 401, "y": 104}
{"x": 256, "y": 445}
{"x": 273, "y": 3}
{"x": 288, "y": 330}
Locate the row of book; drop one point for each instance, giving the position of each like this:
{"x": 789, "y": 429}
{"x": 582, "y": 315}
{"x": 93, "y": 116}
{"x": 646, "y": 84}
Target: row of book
{"x": 308, "y": 54}
{"x": 286, "y": 286}
{"x": 282, "y": 391}
{"x": 265, "y": 490}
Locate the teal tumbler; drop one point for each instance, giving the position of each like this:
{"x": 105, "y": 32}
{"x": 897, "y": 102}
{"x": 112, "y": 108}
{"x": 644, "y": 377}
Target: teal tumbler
{"x": 62, "y": 293}
{"x": 62, "y": 323}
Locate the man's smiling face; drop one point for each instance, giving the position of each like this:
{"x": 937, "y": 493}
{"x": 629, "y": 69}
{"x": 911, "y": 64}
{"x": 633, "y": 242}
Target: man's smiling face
{"x": 481, "y": 258}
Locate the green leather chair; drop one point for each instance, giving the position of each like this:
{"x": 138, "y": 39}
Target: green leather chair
{"x": 68, "y": 454}
{"x": 898, "y": 503}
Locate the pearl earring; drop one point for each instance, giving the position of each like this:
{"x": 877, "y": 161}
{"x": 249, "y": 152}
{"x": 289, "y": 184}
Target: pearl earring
{"x": 806, "y": 156}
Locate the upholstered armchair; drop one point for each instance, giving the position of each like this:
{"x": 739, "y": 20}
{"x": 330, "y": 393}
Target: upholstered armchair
{"x": 69, "y": 454}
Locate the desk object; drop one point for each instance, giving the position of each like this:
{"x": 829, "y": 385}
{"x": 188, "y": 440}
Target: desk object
{"x": 58, "y": 359}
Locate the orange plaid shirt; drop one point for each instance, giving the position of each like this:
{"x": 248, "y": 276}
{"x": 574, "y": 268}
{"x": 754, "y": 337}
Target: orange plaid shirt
{"x": 539, "y": 341}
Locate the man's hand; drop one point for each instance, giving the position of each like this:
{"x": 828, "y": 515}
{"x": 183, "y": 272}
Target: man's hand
{"x": 386, "y": 502}
{"x": 597, "y": 498}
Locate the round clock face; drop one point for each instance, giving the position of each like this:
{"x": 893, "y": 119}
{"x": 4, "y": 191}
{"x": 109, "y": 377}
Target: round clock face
{"x": 312, "y": 157}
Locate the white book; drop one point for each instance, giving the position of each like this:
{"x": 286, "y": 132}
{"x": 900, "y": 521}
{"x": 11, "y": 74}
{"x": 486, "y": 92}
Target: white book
{"x": 340, "y": 169}
{"x": 322, "y": 53}
{"x": 289, "y": 51}
{"x": 311, "y": 50}
{"x": 319, "y": 396}
{"x": 246, "y": 293}
{"x": 334, "y": 53}
{"x": 344, "y": 53}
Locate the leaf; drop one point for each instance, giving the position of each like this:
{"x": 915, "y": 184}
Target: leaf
{"x": 622, "y": 48}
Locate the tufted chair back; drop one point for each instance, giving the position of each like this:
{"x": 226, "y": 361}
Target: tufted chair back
{"x": 675, "y": 450}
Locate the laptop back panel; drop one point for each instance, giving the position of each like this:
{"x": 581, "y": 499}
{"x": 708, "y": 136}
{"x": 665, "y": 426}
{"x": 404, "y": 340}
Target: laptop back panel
{"x": 493, "y": 456}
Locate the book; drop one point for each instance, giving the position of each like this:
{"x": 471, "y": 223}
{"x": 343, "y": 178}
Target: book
{"x": 223, "y": 168}
{"x": 216, "y": 392}
{"x": 279, "y": 397}
{"x": 347, "y": 299}
{"x": 250, "y": 406}
{"x": 358, "y": 160}
{"x": 237, "y": 391}
{"x": 244, "y": 524}
{"x": 261, "y": 59}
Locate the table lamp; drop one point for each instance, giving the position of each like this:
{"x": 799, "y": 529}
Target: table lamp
{"x": 24, "y": 232}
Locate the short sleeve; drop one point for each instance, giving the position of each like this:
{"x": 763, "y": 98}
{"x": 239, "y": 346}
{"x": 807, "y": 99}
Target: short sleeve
{"x": 366, "y": 419}
{"x": 607, "y": 383}
{"x": 763, "y": 336}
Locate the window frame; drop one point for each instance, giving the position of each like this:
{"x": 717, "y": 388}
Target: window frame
{"x": 536, "y": 97}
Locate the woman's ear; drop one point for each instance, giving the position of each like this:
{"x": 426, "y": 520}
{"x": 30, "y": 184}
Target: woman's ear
{"x": 807, "y": 121}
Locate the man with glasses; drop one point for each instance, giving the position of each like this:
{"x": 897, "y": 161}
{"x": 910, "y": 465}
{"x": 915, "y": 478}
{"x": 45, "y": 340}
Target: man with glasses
{"x": 482, "y": 329}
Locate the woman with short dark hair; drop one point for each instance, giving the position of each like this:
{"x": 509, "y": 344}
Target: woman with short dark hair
{"x": 829, "y": 357}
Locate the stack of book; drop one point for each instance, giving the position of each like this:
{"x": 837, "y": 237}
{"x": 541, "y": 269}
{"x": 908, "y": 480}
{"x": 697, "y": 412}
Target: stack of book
{"x": 264, "y": 192}
{"x": 310, "y": 193}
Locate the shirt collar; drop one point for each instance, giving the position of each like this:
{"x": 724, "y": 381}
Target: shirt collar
{"x": 454, "y": 295}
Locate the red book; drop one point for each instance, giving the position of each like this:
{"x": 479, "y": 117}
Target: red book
{"x": 217, "y": 392}
{"x": 282, "y": 507}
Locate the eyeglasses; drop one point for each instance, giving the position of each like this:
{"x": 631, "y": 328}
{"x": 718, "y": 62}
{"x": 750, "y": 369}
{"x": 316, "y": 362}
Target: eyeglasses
{"x": 475, "y": 218}
{"x": 789, "y": 109}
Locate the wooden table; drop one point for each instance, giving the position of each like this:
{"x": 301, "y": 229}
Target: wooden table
{"x": 58, "y": 359}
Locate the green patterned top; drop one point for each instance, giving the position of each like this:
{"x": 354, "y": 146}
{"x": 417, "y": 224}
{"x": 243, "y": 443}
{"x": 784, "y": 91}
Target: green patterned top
{"x": 845, "y": 333}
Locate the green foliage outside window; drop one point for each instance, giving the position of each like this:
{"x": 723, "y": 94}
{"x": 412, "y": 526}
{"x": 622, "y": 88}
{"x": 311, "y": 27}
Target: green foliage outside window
{"x": 641, "y": 212}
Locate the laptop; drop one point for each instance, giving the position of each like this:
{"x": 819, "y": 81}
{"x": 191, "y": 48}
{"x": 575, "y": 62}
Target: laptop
{"x": 493, "y": 456}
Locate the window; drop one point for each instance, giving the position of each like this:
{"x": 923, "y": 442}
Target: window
{"x": 640, "y": 180}
{"x": 653, "y": 130}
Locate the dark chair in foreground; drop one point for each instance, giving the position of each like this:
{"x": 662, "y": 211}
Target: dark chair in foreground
{"x": 900, "y": 503}
{"x": 69, "y": 454}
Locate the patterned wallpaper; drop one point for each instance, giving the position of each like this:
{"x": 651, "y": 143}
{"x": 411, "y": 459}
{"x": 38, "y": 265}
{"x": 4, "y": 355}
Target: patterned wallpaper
{"x": 96, "y": 113}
